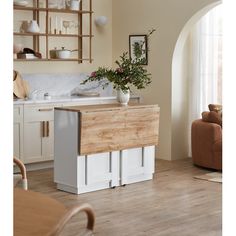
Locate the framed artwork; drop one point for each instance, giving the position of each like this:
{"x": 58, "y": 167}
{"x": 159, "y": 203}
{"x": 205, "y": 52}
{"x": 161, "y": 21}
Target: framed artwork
{"x": 138, "y": 48}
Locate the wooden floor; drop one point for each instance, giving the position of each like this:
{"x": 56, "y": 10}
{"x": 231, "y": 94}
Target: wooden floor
{"x": 172, "y": 204}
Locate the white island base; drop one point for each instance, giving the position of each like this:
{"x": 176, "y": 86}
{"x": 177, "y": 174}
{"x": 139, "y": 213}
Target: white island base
{"x": 106, "y": 170}
{"x": 78, "y": 174}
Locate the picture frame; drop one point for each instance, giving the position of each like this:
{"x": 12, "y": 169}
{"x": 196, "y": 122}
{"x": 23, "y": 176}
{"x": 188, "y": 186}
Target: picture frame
{"x": 138, "y": 48}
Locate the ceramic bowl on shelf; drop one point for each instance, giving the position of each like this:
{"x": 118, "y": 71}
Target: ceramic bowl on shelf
{"x": 64, "y": 53}
{"x": 21, "y": 3}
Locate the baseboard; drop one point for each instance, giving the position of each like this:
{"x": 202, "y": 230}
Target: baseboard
{"x": 39, "y": 166}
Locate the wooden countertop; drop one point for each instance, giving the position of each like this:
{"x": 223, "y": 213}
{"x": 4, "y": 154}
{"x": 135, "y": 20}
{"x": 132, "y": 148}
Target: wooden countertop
{"x": 112, "y": 127}
{"x": 105, "y": 107}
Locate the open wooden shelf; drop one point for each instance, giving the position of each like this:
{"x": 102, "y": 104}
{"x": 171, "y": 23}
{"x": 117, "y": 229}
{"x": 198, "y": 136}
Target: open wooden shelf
{"x": 52, "y": 10}
{"x": 29, "y": 34}
{"x": 52, "y": 35}
{"x": 36, "y": 37}
{"x": 44, "y": 59}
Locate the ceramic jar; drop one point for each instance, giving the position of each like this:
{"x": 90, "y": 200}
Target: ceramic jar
{"x": 33, "y": 27}
{"x": 53, "y": 53}
{"x": 123, "y": 97}
{"x": 24, "y": 26}
{"x": 73, "y": 4}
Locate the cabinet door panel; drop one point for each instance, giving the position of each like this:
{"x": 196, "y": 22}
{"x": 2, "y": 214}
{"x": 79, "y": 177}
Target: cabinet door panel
{"x": 48, "y": 143}
{"x": 131, "y": 164}
{"x": 98, "y": 167}
{"x": 33, "y": 149}
{"x": 97, "y": 171}
{"x": 137, "y": 164}
{"x": 18, "y": 132}
{"x": 16, "y": 141}
{"x": 18, "y": 113}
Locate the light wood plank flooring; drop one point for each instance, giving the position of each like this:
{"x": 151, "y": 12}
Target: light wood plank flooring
{"x": 172, "y": 204}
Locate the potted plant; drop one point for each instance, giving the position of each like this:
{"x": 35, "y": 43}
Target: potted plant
{"x": 129, "y": 73}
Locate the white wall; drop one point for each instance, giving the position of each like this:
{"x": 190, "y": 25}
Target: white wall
{"x": 101, "y": 48}
{"x": 168, "y": 17}
{"x": 179, "y": 106}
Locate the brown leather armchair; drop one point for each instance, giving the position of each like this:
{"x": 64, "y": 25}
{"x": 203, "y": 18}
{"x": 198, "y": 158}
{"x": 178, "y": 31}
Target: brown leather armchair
{"x": 206, "y": 138}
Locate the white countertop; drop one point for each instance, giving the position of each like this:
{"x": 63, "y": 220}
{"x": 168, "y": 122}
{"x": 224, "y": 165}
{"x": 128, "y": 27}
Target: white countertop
{"x": 63, "y": 99}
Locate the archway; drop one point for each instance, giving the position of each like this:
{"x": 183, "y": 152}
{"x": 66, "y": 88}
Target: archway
{"x": 179, "y": 101}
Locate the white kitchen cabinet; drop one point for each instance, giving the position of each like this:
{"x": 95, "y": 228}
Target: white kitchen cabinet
{"x": 18, "y": 132}
{"x": 38, "y": 133}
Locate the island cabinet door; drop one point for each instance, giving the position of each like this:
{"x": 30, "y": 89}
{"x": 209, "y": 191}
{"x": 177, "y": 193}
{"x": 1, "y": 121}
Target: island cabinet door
{"x": 137, "y": 164}
{"x": 98, "y": 171}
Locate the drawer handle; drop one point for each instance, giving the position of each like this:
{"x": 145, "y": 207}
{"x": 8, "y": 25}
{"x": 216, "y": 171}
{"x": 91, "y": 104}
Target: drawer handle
{"x": 43, "y": 128}
{"x": 47, "y": 128}
{"x": 46, "y": 109}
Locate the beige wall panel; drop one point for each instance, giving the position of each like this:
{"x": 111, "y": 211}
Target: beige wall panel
{"x": 168, "y": 17}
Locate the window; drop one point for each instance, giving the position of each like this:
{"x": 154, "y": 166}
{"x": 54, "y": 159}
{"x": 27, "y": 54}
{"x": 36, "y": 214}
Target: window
{"x": 205, "y": 83}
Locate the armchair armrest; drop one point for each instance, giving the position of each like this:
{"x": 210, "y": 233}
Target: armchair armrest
{"x": 70, "y": 213}
{"x": 206, "y": 139}
{"x": 21, "y": 166}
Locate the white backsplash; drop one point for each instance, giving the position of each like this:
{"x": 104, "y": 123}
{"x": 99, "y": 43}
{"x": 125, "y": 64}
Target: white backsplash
{"x": 62, "y": 84}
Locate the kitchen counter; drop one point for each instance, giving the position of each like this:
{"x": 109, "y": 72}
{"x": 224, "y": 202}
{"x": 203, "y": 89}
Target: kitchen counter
{"x": 34, "y": 125}
{"x": 104, "y": 107}
{"x": 63, "y": 99}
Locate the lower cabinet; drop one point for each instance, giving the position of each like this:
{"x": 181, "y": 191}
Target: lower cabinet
{"x": 34, "y": 132}
{"x": 104, "y": 170}
{"x": 18, "y": 132}
{"x": 38, "y": 133}
{"x": 38, "y": 146}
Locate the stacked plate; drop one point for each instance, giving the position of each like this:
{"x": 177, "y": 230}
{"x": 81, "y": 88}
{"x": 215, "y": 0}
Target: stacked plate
{"x": 21, "y": 3}
{"x": 85, "y": 94}
{"x": 88, "y": 94}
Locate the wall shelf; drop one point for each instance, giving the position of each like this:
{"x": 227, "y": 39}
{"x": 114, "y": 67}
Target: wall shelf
{"x": 44, "y": 59}
{"x": 47, "y": 35}
{"x": 52, "y": 35}
{"x": 52, "y": 10}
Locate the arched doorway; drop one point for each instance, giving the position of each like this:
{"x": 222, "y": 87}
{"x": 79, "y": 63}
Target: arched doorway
{"x": 179, "y": 101}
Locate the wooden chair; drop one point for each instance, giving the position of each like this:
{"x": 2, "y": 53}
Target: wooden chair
{"x": 22, "y": 176}
{"x": 70, "y": 213}
{"x": 40, "y": 215}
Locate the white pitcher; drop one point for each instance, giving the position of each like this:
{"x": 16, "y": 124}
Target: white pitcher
{"x": 33, "y": 27}
{"x": 73, "y": 4}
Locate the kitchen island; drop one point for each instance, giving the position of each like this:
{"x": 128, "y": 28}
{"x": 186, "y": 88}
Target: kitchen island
{"x": 104, "y": 146}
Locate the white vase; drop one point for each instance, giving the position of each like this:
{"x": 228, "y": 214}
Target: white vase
{"x": 123, "y": 97}
{"x": 33, "y": 27}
